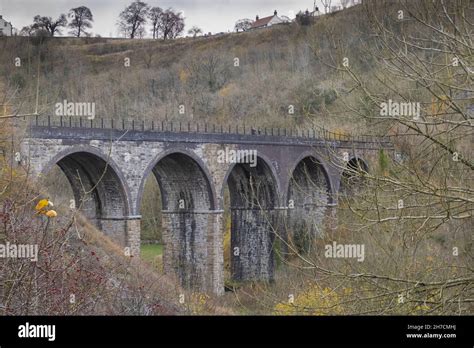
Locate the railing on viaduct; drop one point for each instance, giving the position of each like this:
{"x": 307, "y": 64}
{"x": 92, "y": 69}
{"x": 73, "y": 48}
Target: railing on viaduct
{"x": 318, "y": 133}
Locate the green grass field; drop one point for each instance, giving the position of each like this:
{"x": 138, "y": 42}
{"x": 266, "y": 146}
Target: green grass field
{"x": 152, "y": 253}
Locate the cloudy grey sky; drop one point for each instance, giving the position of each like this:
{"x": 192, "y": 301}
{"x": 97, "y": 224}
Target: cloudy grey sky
{"x": 210, "y": 15}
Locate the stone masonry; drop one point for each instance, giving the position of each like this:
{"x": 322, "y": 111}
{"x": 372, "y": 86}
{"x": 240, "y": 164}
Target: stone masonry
{"x": 115, "y": 163}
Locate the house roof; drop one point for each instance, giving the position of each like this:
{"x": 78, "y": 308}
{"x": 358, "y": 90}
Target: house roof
{"x": 3, "y": 19}
{"x": 262, "y": 22}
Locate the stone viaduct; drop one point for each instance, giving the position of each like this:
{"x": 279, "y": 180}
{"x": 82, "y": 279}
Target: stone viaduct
{"x": 296, "y": 176}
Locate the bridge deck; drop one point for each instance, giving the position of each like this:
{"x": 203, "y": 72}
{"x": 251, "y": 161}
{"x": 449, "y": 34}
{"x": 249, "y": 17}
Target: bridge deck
{"x": 101, "y": 129}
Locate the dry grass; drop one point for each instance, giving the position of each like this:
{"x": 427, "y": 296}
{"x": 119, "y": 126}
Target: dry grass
{"x": 153, "y": 87}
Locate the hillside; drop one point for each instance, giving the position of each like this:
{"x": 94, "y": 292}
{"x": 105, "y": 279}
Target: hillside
{"x": 251, "y": 77}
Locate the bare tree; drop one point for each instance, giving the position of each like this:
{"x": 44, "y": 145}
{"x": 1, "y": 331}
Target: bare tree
{"x": 171, "y": 24}
{"x": 154, "y": 15}
{"x": 209, "y": 71}
{"x": 133, "y": 19}
{"x": 243, "y": 24}
{"x": 304, "y": 18}
{"x": 28, "y": 30}
{"x": 326, "y": 5}
{"x": 195, "y": 31}
{"x": 48, "y": 24}
{"x": 81, "y": 19}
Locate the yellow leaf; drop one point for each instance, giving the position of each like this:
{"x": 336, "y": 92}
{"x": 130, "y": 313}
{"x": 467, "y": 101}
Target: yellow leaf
{"x": 41, "y": 205}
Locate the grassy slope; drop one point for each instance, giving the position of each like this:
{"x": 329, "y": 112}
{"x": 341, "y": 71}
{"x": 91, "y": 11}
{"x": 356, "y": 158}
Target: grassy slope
{"x": 278, "y": 67}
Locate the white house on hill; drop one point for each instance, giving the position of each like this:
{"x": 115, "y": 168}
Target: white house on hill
{"x": 6, "y": 28}
{"x": 266, "y": 21}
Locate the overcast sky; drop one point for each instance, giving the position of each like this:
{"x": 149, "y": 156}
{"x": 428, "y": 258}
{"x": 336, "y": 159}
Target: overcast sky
{"x": 210, "y": 15}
